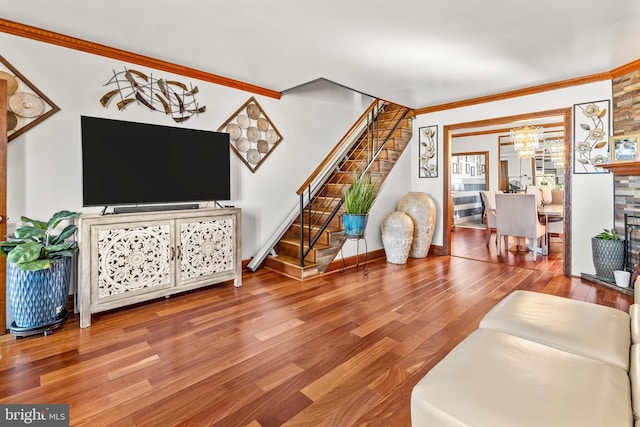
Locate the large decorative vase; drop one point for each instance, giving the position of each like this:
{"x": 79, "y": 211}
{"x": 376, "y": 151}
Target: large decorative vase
{"x": 39, "y": 297}
{"x": 397, "y": 236}
{"x": 422, "y": 211}
{"x": 608, "y": 256}
{"x": 354, "y": 225}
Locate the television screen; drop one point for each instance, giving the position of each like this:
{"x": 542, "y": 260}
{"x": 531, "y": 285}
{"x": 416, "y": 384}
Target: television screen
{"x": 126, "y": 163}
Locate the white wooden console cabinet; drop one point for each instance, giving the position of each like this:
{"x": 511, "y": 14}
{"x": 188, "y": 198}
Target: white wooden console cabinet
{"x": 129, "y": 258}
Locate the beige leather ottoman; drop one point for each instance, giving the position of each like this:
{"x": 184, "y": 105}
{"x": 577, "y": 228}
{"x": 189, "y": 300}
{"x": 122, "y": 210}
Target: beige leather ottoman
{"x": 602, "y": 333}
{"x": 493, "y": 379}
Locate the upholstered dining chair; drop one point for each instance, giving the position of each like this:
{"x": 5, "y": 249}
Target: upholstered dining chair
{"x": 557, "y": 197}
{"x": 517, "y": 215}
{"x": 532, "y": 189}
{"x": 555, "y": 225}
{"x": 489, "y": 201}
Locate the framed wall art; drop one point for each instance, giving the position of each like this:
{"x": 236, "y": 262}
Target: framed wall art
{"x": 625, "y": 148}
{"x": 591, "y": 137}
{"x": 252, "y": 134}
{"x": 428, "y": 152}
{"x": 27, "y": 106}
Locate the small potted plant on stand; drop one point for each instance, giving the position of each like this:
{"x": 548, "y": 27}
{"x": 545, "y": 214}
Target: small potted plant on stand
{"x": 358, "y": 200}
{"x": 39, "y": 273}
{"x": 607, "y": 250}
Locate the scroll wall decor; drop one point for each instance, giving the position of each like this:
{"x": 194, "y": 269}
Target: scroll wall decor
{"x": 174, "y": 98}
{"x": 428, "y": 167}
{"x": 26, "y": 105}
{"x": 253, "y": 136}
{"x": 591, "y": 137}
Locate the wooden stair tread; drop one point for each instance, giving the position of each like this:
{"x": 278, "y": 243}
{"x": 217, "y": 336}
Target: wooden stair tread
{"x": 293, "y": 241}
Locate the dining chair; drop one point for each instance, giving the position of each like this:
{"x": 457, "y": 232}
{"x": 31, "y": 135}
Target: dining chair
{"x": 555, "y": 225}
{"x": 532, "y": 189}
{"x": 517, "y": 215}
{"x": 557, "y": 197}
{"x": 488, "y": 198}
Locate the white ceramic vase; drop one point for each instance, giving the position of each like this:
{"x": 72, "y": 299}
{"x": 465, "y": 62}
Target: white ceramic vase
{"x": 422, "y": 211}
{"x": 397, "y": 236}
{"x": 545, "y": 192}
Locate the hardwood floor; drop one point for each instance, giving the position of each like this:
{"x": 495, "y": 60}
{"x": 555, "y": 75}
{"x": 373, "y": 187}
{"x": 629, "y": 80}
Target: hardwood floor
{"x": 339, "y": 350}
{"x": 472, "y": 243}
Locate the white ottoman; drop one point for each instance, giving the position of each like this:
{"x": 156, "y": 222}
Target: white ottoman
{"x": 493, "y": 379}
{"x": 602, "y": 333}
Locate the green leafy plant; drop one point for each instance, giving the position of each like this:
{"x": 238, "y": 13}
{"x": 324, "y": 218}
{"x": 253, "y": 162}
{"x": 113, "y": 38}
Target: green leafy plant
{"x": 359, "y": 198}
{"x": 35, "y": 244}
{"x": 607, "y": 235}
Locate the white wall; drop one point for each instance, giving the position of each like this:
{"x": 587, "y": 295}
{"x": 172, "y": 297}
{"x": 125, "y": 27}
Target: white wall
{"x": 592, "y": 194}
{"x": 44, "y": 168}
{"x": 44, "y": 164}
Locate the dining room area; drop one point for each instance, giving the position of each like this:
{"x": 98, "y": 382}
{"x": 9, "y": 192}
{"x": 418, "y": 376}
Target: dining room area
{"x": 523, "y": 199}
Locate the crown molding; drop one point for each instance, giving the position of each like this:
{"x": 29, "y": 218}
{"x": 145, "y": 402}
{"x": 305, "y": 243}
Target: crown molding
{"x": 626, "y": 69}
{"x": 45, "y": 36}
{"x": 516, "y": 93}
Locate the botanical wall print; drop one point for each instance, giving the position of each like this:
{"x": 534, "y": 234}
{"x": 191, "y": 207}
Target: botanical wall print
{"x": 428, "y": 152}
{"x": 591, "y": 137}
{"x": 26, "y": 105}
{"x": 253, "y": 135}
{"x": 174, "y": 98}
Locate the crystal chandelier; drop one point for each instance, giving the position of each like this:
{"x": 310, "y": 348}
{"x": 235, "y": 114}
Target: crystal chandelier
{"x": 526, "y": 140}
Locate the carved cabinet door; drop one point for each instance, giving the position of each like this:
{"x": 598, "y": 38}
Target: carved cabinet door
{"x": 133, "y": 259}
{"x": 206, "y": 248}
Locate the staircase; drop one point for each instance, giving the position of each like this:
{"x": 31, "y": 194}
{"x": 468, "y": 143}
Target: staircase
{"x": 316, "y": 236}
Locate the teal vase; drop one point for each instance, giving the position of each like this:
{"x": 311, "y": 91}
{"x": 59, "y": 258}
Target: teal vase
{"x": 39, "y": 297}
{"x": 354, "y": 225}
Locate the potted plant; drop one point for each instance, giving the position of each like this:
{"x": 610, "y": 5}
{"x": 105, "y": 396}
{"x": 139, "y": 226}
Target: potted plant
{"x": 607, "y": 249}
{"x": 39, "y": 271}
{"x": 358, "y": 200}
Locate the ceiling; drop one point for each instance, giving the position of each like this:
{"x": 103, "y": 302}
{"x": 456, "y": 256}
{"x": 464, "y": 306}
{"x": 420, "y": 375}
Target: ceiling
{"x": 415, "y": 53}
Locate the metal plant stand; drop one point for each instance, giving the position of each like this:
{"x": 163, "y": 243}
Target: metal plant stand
{"x": 366, "y": 250}
{"x": 46, "y": 329}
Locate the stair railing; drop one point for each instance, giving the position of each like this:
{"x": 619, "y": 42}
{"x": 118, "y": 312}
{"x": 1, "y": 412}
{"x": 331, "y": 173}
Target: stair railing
{"x": 327, "y": 189}
{"x": 318, "y": 176}
{"x": 366, "y": 131}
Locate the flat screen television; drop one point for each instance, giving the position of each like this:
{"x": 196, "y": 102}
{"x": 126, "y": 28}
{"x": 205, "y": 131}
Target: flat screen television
{"x": 127, "y": 163}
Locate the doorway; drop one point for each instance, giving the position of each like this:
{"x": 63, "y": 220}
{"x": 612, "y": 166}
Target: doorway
{"x": 560, "y": 117}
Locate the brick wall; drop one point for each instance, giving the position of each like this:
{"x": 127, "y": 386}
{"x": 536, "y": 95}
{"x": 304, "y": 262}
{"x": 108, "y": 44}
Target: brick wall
{"x": 626, "y": 104}
{"x": 626, "y": 119}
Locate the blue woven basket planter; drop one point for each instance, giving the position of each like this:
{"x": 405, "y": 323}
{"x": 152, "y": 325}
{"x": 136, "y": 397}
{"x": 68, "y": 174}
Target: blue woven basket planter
{"x": 39, "y": 297}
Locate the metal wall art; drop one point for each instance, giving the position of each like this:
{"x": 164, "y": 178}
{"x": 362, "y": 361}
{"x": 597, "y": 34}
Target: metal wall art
{"x": 174, "y": 98}
{"x": 591, "y": 137}
{"x": 428, "y": 152}
{"x": 26, "y": 105}
{"x": 253, "y": 135}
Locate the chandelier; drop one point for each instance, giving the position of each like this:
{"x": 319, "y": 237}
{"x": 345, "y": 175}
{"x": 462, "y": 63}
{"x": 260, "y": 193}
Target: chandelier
{"x": 526, "y": 140}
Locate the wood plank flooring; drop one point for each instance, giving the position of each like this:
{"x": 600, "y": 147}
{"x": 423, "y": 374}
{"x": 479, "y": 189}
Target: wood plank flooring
{"x": 340, "y": 350}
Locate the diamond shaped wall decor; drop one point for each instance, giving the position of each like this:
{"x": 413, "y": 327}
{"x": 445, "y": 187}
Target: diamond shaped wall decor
{"x": 252, "y": 134}
{"x": 26, "y": 105}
